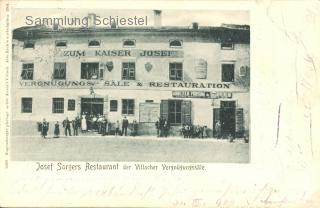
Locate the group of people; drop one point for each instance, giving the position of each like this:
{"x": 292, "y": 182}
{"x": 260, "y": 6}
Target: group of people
{"x": 98, "y": 123}
{"x": 194, "y": 131}
{"x": 163, "y": 127}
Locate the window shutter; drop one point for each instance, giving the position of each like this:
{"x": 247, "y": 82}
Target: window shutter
{"x": 164, "y": 108}
{"x": 239, "y": 122}
{"x": 186, "y": 111}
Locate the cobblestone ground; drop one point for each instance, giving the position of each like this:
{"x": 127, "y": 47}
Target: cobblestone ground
{"x": 111, "y": 148}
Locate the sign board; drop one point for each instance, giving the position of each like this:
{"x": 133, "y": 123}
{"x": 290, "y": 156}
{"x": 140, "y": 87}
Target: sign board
{"x": 149, "y": 112}
{"x": 201, "y": 94}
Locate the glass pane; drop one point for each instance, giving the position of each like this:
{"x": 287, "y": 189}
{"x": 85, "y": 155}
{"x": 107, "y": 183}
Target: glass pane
{"x": 178, "y": 117}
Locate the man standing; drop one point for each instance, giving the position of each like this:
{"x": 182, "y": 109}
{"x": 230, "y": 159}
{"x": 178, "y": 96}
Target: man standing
{"x": 125, "y": 124}
{"x": 44, "y": 128}
{"x": 66, "y": 125}
{"x": 75, "y": 126}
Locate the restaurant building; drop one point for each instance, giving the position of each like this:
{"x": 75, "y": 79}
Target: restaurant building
{"x": 196, "y": 75}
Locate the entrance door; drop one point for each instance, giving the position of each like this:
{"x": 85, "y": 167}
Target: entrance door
{"x": 92, "y": 106}
{"x": 227, "y": 118}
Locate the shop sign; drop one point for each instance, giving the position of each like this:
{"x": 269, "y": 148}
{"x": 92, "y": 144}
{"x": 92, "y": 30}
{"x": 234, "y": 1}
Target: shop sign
{"x": 121, "y": 53}
{"x": 201, "y": 94}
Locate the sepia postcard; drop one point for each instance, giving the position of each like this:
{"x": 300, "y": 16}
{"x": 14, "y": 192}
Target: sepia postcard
{"x": 160, "y": 104}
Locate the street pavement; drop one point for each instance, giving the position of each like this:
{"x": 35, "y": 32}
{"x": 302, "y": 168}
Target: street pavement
{"x": 138, "y": 149}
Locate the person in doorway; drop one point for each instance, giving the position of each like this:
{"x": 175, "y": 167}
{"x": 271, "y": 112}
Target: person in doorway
{"x": 66, "y": 126}
{"x": 44, "y": 128}
{"x": 117, "y": 128}
{"x": 56, "y": 130}
{"x": 83, "y": 124}
{"x": 125, "y": 124}
{"x": 218, "y": 129}
{"x": 161, "y": 126}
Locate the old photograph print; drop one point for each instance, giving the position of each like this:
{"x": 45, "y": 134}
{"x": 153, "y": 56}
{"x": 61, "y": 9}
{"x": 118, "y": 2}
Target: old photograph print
{"x": 130, "y": 85}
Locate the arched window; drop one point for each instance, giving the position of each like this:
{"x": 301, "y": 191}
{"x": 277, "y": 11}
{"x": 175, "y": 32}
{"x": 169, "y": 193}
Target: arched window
{"x": 129, "y": 43}
{"x": 175, "y": 43}
{"x": 94, "y": 43}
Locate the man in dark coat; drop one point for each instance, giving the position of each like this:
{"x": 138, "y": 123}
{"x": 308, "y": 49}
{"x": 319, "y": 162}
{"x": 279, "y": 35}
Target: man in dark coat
{"x": 44, "y": 128}
{"x": 125, "y": 124}
{"x": 66, "y": 126}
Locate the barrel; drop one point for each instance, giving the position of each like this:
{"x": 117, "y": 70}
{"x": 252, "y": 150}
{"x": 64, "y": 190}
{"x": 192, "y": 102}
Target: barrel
{"x": 200, "y": 69}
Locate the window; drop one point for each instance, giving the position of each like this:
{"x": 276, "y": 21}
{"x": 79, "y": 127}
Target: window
{"x": 175, "y": 71}
{"x": 71, "y": 105}
{"x": 26, "y": 105}
{"x": 27, "y": 71}
{"x": 129, "y": 43}
{"x": 175, "y": 43}
{"x": 57, "y": 105}
{"x": 227, "y": 104}
{"x": 227, "y": 46}
{"x": 128, "y": 106}
{"x": 113, "y": 105}
{"x": 91, "y": 71}
{"x": 128, "y": 71}
{"x": 28, "y": 44}
{"x": 94, "y": 43}
{"x": 174, "y": 116}
{"x": 59, "y": 71}
{"x": 61, "y": 43}
{"x": 227, "y": 72}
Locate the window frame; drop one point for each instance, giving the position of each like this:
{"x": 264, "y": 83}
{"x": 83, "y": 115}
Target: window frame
{"x": 175, "y": 40}
{"x": 175, "y": 70}
{"x": 65, "y": 70}
{"x": 222, "y": 73}
{"x": 97, "y": 71}
{"x": 28, "y": 42}
{"x": 28, "y": 70}
{"x": 113, "y": 108}
{"x": 59, "y": 41}
{"x": 126, "y": 76}
{"x": 226, "y": 47}
{"x": 23, "y": 104}
{"x": 61, "y": 110}
{"x": 127, "y": 110}
{"x": 175, "y": 112}
{"x": 94, "y": 46}
{"x": 71, "y": 105}
{"x": 129, "y": 46}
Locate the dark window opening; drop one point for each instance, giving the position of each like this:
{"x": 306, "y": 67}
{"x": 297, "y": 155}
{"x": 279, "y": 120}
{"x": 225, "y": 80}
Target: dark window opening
{"x": 175, "y": 71}
{"x": 175, "y": 43}
{"x": 57, "y": 105}
{"x": 128, "y": 71}
{"x": 227, "y": 46}
{"x": 27, "y": 71}
{"x": 113, "y": 105}
{"x": 91, "y": 71}
{"x": 71, "y": 105}
{"x": 175, "y": 113}
{"x": 227, "y": 72}
{"x": 129, "y": 43}
{"x": 59, "y": 71}
{"x": 128, "y": 106}
{"x": 94, "y": 43}
{"x": 61, "y": 43}
{"x": 28, "y": 44}
{"x": 26, "y": 105}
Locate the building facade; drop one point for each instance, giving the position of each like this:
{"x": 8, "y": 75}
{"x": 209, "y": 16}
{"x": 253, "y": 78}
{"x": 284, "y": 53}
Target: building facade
{"x": 196, "y": 75}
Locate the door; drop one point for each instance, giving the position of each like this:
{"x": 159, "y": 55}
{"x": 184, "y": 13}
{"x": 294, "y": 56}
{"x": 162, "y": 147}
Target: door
{"x": 92, "y": 106}
{"x": 227, "y": 118}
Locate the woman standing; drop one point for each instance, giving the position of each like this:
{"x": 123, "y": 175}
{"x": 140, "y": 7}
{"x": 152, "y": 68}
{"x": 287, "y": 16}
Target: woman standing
{"x": 83, "y": 123}
{"x": 56, "y": 130}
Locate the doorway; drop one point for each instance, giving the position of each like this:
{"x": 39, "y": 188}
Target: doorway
{"x": 227, "y": 118}
{"x": 92, "y": 106}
